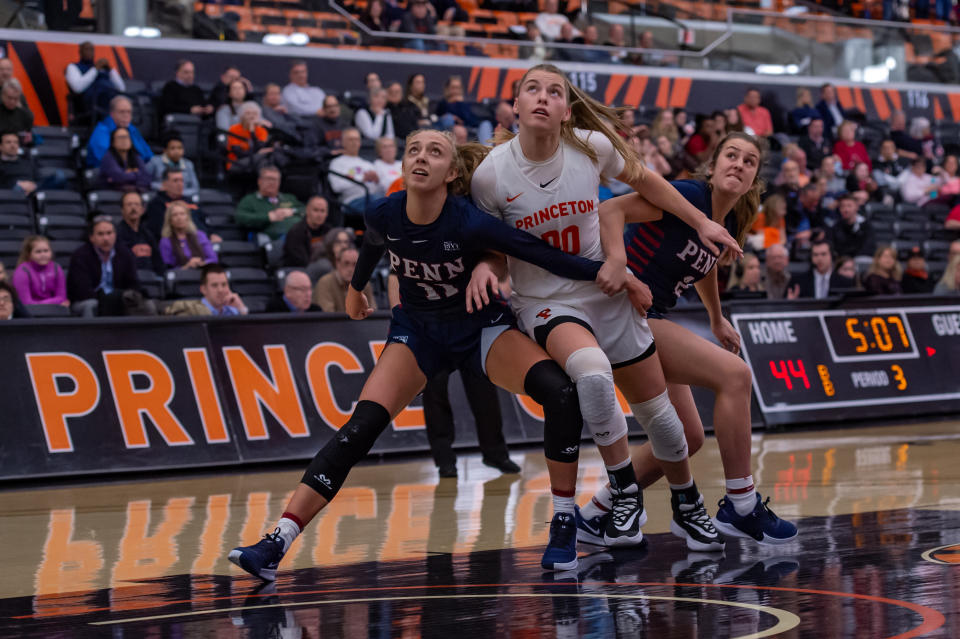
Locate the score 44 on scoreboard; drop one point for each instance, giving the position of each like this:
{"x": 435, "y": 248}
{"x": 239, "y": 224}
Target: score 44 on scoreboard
{"x": 839, "y": 364}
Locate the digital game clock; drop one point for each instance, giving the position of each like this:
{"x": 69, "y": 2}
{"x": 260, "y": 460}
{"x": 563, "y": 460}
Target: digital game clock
{"x": 841, "y": 364}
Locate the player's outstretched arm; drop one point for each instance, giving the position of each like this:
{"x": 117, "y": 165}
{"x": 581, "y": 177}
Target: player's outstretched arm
{"x": 722, "y": 329}
{"x": 486, "y": 276}
{"x": 659, "y": 192}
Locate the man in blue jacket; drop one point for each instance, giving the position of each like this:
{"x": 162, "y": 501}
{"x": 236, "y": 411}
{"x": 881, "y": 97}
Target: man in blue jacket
{"x": 121, "y": 115}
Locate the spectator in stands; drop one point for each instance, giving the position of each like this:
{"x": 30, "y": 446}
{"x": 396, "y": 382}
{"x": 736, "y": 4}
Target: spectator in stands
{"x": 181, "y": 95}
{"x": 374, "y": 17}
{"x": 852, "y": 234}
{"x": 804, "y": 112}
{"x": 101, "y": 272}
{"x": 777, "y": 278}
{"x": 417, "y": 110}
{"x": 847, "y": 267}
{"x": 756, "y": 119}
{"x": 745, "y": 275}
{"x": 3, "y": 270}
{"x": 733, "y": 120}
{"x": 121, "y": 115}
{"x": 952, "y": 223}
{"x": 770, "y": 228}
{"x": 92, "y": 84}
{"x": 375, "y": 121}
{"x": 567, "y": 37}
{"x": 228, "y": 113}
{"x": 300, "y": 97}
{"x": 14, "y": 116}
{"x": 172, "y": 190}
{"x": 916, "y": 185}
{"x": 949, "y": 284}
{"x": 17, "y": 170}
{"x": 651, "y": 156}
{"x": 849, "y": 149}
{"x": 10, "y": 306}
{"x": 792, "y": 151}
{"x": 948, "y": 182}
{"x": 534, "y": 50}
{"x": 815, "y": 144}
{"x": 669, "y": 153}
{"x": 172, "y": 158}
{"x": 297, "y": 290}
{"x": 551, "y": 21}
{"x": 700, "y": 145}
{"x": 6, "y": 70}
{"x": 829, "y": 176}
{"x": 418, "y": 19}
{"x": 665, "y": 125}
{"x": 830, "y": 110}
{"x": 388, "y": 167}
{"x": 353, "y": 197}
{"x": 791, "y": 177}
{"x": 883, "y": 276}
{"x": 821, "y": 281}
{"x": 247, "y": 146}
{"x": 331, "y": 125}
{"x": 805, "y": 216}
{"x": 591, "y": 38}
{"x": 304, "y": 247}
{"x": 888, "y": 167}
{"x": 453, "y": 109}
{"x": 916, "y": 278}
{"x": 861, "y": 183}
{"x": 448, "y": 11}
{"x": 337, "y": 239}
{"x": 122, "y": 168}
{"x": 218, "y": 299}
{"x": 38, "y": 279}
{"x": 182, "y": 245}
{"x": 616, "y": 38}
{"x": 330, "y": 293}
{"x": 908, "y": 146}
{"x": 505, "y": 118}
{"x": 134, "y": 234}
{"x": 268, "y": 212}
{"x": 219, "y": 95}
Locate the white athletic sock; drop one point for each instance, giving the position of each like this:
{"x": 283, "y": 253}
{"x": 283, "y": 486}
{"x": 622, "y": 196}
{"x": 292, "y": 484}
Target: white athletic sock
{"x": 289, "y": 530}
{"x": 743, "y": 494}
{"x": 599, "y": 505}
{"x": 563, "y": 503}
{"x": 682, "y": 486}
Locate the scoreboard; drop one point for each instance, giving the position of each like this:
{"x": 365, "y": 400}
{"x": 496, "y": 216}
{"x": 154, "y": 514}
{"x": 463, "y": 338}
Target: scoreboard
{"x": 855, "y": 363}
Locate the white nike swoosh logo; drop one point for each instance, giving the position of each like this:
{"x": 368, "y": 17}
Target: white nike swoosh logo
{"x": 419, "y": 241}
{"x": 629, "y": 522}
{"x": 393, "y": 239}
{"x": 498, "y": 318}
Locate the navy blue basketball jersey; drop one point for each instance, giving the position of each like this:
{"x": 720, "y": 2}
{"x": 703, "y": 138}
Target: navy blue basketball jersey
{"x": 434, "y": 261}
{"x": 667, "y": 255}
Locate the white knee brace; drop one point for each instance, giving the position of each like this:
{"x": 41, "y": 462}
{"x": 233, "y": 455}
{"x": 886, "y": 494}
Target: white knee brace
{"x": 590, "y": 370}
{"x": 663, "y": 427}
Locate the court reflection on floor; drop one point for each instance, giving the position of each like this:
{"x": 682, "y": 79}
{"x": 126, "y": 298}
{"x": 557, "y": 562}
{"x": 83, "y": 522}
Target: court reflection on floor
{"x": 870, "y": 500}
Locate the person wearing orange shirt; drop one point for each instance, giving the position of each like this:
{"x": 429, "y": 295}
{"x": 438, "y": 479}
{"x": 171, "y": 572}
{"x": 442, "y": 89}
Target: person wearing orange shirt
{"x": 755, "y": 118}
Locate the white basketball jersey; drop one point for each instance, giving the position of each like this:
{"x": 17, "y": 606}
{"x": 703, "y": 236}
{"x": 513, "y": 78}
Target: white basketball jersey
{"x": 562, "y": 209}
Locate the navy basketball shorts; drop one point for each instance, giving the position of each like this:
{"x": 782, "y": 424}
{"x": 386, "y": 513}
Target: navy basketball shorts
{"x": 447, "y": 343}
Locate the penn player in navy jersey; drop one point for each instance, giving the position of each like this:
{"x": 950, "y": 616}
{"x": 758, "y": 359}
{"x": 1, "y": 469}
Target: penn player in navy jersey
{"x": 434, "y": 240}
{"x": 666, "y": 255}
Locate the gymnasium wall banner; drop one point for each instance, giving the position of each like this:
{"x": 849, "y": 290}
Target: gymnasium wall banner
{"x": 84, "y": 397}
{"x": 40, "y": 60}
{"x": 131, "y": 395}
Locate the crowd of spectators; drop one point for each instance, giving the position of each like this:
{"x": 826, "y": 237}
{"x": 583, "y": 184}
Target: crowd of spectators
{"x": 843, "y": 210}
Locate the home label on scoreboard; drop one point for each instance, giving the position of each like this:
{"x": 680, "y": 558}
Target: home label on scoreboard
{"x": 854, "y": 363}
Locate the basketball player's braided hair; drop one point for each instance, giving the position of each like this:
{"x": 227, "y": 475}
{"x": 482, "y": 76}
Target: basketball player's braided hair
{"x": 587, "y": 113}
{"x": 747, "y": 207}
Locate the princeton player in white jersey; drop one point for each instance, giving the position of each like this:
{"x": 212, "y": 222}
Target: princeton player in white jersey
{"x": 545, "y": 181}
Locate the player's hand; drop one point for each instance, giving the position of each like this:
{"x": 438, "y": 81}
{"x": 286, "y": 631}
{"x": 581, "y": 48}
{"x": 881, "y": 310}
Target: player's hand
{"x": 358, "y": 307}
{"x": 482, "y": 280}
{"x": 612, "y": 277}
{"x": 728, "y": 337}
{"x": 639, "y": 294}
{"x": 712, "y": 234}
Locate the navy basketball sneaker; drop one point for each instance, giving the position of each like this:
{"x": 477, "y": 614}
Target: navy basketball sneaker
{"x": 262, "y": 558}
{"x": 590, "y": 531}
{"x": 561, "y": 552}
{"x": 761, "y": 525}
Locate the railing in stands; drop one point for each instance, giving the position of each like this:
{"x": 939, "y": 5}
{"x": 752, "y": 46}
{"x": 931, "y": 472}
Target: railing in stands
{"x": 480, "y": 42}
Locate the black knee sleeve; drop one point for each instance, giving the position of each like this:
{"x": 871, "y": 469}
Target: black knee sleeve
{"x": 329, "y": 467}
{"x": 550, "y": 387}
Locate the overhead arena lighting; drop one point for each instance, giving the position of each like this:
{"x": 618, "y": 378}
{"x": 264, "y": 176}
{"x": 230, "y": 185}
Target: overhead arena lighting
{"x": 141, "y": 32}
{"x": 280, "y": 40}
{"x": 778, "y": 69}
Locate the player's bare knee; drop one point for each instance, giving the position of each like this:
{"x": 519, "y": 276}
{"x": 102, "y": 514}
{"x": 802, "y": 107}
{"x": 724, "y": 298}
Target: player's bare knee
{"x": 695, "y": 438}
{"x": 737, "y": 377}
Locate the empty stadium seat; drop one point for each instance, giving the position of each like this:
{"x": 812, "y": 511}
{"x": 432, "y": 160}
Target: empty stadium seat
{"x": 183, "y": 283}
{"x": 48, "y": 310}
{"x": 64, "y": 249}
{"x": 151, "y": 283}
{"x": 14, "y": 227}
{"x": 9, "y": 252}
{"x": 239, "y": 254}
{"x": 15, "y": 203}
{"x": 62, "y": 227}
{"x": 250, "y": 281}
